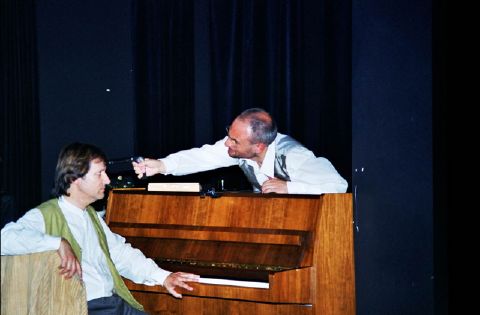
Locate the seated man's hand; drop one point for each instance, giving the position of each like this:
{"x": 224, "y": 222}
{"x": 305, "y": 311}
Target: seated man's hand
{"x": 69, "y": 262}
{"x": 179, "y": 279}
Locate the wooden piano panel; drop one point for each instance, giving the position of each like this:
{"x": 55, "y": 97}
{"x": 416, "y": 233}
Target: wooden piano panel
{"x": 244, "y": 235}
{"x": 292, "y": 286}
{"x": 217, "y": 229}
{"x": 236, "y": 210}
{"x": 159, "y": 304}
{"x": 239, "y": 253}
{"x": 309, "y": 238}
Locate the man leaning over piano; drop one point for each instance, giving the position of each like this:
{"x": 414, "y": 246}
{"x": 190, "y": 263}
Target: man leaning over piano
{"x": 272, "y": 162}
{"x": 85, "y": 244}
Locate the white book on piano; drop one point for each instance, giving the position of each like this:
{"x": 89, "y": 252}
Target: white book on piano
{"x": 237, "y": 283}
{"x": 188, "y": 187}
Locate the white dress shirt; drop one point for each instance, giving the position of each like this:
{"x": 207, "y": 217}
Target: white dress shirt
{"x": 308, "y": 174}
{"x": 27, "y": 236}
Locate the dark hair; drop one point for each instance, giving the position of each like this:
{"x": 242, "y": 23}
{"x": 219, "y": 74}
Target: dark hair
{"x": 264, "y": 128}
{"x": 74, "y": 162}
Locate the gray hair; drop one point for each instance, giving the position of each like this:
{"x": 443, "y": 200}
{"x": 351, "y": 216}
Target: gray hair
{"x": 264, "y": 128}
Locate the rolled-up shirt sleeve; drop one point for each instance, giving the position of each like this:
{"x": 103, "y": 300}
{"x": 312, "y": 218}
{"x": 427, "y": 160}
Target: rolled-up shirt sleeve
{"x": 27, "y": 236}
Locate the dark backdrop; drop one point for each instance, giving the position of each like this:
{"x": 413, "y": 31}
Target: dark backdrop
{"x": 399, "y": 180}
{"x": 241, "y": 54}
{"x": 85, "y": 78}
{"x": 399, "y": 168}
{"x": 19, "y": 108}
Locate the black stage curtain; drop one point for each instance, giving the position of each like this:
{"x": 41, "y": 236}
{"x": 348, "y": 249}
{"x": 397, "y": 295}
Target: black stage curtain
{"x": 163, "y": 65}
{"x": 20, "y": 156}
{"x": 292, "y": 58}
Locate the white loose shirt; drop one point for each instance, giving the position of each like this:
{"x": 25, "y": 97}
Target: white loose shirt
{"x": 27, "y": 236}
{"x": 308, "y": 174}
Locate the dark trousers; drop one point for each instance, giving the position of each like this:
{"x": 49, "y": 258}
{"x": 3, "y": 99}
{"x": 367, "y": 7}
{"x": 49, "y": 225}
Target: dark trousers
{"x": 112, "y": 305}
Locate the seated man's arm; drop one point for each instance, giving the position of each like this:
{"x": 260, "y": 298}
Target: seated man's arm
{"x": 27, "y": 236}
{"x": 131, "y": 263}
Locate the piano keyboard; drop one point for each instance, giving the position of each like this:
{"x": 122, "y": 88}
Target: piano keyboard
{"x": 237, "y": 283}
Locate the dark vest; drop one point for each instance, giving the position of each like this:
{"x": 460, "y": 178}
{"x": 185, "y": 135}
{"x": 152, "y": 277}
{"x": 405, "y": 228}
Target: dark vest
{"x": 280, "y": 166}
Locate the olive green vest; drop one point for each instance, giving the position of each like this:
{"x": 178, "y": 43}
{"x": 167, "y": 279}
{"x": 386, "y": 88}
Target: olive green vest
{"x": 56, "y": 225}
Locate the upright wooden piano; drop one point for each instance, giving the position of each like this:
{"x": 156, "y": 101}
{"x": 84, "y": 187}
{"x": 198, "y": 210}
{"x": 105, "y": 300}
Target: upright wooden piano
{"x": 299, "y": 246}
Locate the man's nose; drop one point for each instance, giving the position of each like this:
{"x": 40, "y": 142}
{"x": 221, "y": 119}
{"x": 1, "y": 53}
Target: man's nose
{"x": 106, "y": 179}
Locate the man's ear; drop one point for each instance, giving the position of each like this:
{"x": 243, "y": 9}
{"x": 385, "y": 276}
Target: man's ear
{"x": 260, "y": 147}
{"x": 76, "y": 181}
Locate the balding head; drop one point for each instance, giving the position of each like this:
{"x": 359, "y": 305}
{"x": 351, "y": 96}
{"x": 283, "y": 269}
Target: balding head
{"x": 263, "y": 126}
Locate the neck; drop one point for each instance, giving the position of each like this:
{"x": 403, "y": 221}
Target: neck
{"x": 260, "y": 157}
{"x": 77, "y": 202}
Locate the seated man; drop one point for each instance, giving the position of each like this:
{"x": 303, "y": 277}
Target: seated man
{"x": 84, "y": 242}
{"x": 271, "y": 161}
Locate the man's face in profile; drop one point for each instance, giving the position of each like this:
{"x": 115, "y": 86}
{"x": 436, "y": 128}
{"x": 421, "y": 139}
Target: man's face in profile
{"x": 92, "y": 185}
{"x": 238, "y": 140}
